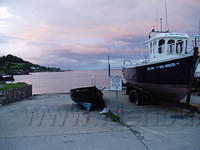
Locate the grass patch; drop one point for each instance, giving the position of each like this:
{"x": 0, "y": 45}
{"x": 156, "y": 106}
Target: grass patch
{"x": 10, "y": 86}
{"x": 113, "y": 117}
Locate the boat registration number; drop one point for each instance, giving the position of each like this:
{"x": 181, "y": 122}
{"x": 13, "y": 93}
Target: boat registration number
{"x": 163, "y": 66}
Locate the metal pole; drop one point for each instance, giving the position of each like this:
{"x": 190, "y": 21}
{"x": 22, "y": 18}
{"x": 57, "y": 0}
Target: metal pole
{"x": 161, "y": 24}
{"x": 167, "y": 24}
{"x": 117, "y": 99}
{"x": 108, "y": 66}
{"x": 94, "y": 80}
{"x": 157, "y": 28}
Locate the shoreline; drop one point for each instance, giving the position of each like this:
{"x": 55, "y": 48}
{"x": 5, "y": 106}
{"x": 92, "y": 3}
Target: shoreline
{"x": 56, "y": 93}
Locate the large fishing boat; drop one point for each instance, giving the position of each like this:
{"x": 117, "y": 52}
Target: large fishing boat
{"x": 169, "y": 70}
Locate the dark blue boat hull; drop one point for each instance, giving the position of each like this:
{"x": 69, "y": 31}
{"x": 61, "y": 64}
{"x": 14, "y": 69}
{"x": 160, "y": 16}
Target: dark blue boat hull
{"x": 166, "y": 80}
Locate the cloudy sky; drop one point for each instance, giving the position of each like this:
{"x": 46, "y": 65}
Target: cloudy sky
{"x": 80, "y": 34}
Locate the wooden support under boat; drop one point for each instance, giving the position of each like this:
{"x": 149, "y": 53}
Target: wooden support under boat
{"x": 191, "y": 81}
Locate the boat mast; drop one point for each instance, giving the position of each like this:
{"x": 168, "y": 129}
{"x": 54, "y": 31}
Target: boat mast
{"x": 198, "y": 36}
{"x": 161, "y": 24}
{"x": 167, "y": 25}
{"x": 155, "y": 29}
{"x": 156, "y": 19}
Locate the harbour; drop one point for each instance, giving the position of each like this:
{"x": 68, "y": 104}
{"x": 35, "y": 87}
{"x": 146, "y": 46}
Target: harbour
{"x": 59, "y": 82}
{"x": 153, "y": 109}
{"x": 54, "y": 121}
{"x": 157, "y": 106}
{"x": 100, "y": 75}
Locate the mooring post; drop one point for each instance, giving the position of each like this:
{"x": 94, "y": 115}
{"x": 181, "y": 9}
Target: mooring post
{"x": 191, "y": 80}
{"x": 117, "y": 101}
{"x": 108, "y": 66}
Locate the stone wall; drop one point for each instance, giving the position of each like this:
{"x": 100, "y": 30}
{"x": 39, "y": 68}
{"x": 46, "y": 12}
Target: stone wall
{"x": 17, "y": 94}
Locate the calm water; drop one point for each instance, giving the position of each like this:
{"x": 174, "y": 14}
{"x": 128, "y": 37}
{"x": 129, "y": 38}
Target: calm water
{"x": 54, "y": 82}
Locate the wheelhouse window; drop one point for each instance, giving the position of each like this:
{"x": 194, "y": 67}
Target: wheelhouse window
{"x": 186, "y": 43}
{"x": 170, "y": 46}
{"x": 161, "y": 46}
{"x": 179, "y": 46}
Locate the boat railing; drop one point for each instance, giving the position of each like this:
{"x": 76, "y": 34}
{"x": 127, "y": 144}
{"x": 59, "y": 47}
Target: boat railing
{"x": 196, "y": 40}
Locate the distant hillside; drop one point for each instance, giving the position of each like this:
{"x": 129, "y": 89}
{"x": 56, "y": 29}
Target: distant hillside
{"x": 14, "y": 65}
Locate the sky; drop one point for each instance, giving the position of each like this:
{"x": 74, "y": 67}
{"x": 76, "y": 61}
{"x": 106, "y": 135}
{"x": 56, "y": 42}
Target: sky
{"x": 80, "y": 34}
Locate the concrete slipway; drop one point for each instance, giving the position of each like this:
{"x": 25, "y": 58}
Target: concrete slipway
{"x": 54, "y": 122}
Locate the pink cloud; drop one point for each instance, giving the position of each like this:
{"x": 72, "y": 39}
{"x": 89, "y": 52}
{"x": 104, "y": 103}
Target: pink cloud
{"x": 90, "y": 27}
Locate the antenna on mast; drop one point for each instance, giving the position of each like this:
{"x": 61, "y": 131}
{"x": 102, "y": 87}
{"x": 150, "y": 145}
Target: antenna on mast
{"x": 167, "y": 25}
{"x": 157, "y": 19}
{"x": 199, "y": 27}
{"x": 198, "y": 36}
{"x": 161, "y": 24}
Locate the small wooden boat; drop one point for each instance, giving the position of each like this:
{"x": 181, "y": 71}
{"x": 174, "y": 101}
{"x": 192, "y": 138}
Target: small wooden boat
{"x": 88, "y": 97}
